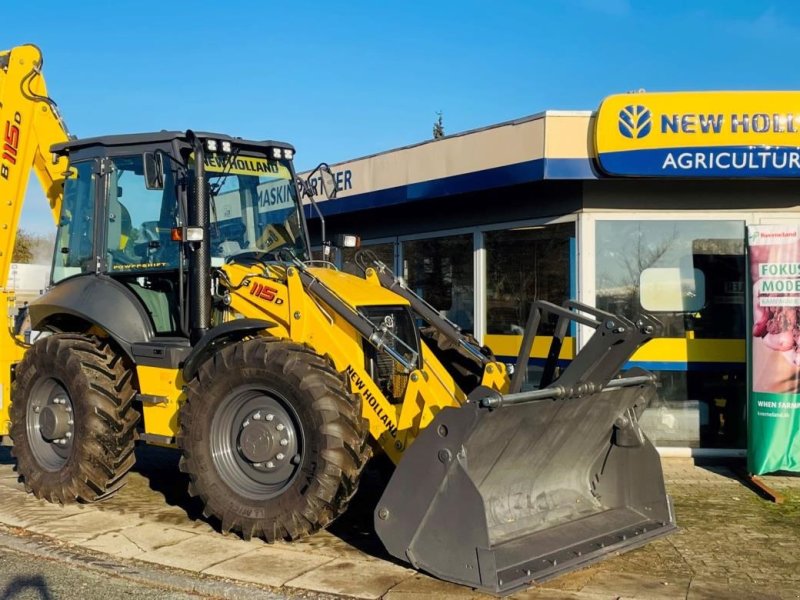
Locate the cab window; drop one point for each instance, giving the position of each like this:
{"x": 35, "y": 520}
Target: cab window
{"x": 139, "y": 221}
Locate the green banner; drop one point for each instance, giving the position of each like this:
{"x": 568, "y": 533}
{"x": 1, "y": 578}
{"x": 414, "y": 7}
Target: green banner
{"x": 773, "y": 428}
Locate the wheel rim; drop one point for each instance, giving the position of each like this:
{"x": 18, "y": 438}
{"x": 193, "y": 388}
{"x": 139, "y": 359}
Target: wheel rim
{"x": 256, "y": 443}
{"x": 50, "y": 424}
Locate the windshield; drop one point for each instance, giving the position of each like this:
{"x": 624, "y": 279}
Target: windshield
{"x": 253, "y": 208}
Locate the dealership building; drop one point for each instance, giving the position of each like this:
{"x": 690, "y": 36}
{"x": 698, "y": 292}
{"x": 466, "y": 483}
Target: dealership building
{"x": 642, "y": 204}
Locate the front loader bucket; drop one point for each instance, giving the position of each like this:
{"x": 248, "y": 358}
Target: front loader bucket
{"x": 508, "y": 490}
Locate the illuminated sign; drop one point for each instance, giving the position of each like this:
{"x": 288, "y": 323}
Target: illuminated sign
{"x": 700, "y": 134}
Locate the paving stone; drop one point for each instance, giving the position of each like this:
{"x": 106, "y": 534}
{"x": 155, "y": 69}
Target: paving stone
{"x": 137, "y": 540}
{"x": 638, "y": 586}
{"x": 196, "y": 527}
{"x": 270, "y": 565}
{"x": 114, "y": 544}
{"x": 358, "y": 578}
{"x": 32, "y": 513}
{"x": 419, "y": 587}
{"x": 199, "y": 552}
{"x": 82, "y": 527}
{"x": 20, "y": 509}
{"x": 540, "y": 593}
{"x": 708, "y": 589}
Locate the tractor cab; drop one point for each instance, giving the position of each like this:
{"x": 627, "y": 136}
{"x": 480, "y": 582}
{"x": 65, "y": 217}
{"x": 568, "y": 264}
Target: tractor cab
{"x": 150, "y": 215}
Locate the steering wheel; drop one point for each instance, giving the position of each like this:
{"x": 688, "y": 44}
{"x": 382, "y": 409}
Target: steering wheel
{"x": 118, "y": 257}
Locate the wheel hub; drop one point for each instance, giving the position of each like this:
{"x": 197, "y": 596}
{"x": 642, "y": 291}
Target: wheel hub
{"x": 54, "y": 422}
{"x": 264, "y": 440}
{"x": 257, "y": 443}
{"x": 50, "y": 424}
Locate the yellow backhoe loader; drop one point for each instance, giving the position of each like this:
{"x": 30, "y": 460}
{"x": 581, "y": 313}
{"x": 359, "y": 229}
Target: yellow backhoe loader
{"x": 185, "y": 311}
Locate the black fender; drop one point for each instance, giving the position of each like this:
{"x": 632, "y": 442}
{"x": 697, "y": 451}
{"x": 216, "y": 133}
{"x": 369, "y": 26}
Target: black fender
{"x": 96, "y": 300}
{"x": 231, "y": 331}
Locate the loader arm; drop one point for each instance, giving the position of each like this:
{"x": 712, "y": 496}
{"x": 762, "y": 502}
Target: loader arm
{"x": 29, "y": 125}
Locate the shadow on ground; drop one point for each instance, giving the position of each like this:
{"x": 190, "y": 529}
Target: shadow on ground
{"x": 23, "y": 586}
{"x": 161, "y": 494}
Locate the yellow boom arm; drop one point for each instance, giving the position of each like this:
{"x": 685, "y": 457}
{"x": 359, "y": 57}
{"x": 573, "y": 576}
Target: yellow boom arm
{"x": 29, "y": 126}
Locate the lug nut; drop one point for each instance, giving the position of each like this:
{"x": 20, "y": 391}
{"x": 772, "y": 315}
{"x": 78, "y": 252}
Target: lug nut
{"x": 36, "y": 409}
{"x": 258, "y": 465}
{"x": 280, "y": 456}
{"x": 280, "y": 427}
{"x": 257, "y": 416}
{"x": 270, "y": 417}
{"x": 246, "y": 423}
{"x": 284, "y": 442}
{"x": 68, "y": 435}
{"x": 70, "y": 422}
{"x": 270, "y": 465}
{"x": 68, "y": 409}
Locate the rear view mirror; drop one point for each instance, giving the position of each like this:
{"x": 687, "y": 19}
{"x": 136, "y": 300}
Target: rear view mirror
{"x": 672, "y": 289}
{"x": 153, "y": 170}
{"x": 327, "y": 182}
{"x": 321, "y": 181}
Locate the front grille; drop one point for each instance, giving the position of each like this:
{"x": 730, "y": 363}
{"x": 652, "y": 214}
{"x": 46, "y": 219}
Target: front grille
{"x": 383, "y": 369}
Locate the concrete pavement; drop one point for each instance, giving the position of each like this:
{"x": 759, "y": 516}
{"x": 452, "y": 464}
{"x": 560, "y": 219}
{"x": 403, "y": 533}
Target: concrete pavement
{"x": 732, "y": 544}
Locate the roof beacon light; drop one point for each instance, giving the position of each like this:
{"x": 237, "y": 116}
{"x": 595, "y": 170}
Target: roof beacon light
{"x": 211, "y": 145}
{"x": 226, "y": 146}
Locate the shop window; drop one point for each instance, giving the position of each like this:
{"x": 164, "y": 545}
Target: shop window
{"x": 441, "y": 271}
{"x": 691, "y": 275}
{"x": 699, "y": 408}
{"x": 627, "y": 250}
{"x": 523, "y": 265}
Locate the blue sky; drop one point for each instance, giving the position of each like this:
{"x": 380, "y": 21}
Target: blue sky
{"x": 345, "y": 79}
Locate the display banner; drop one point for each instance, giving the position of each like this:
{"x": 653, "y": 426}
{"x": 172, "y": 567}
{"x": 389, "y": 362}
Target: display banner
{"x": 773, "y": 427}
{"x": 699, "y": 134}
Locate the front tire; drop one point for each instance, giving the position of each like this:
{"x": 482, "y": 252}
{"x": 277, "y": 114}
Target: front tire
{"x": 272, "y": 440}
{"x": 72, "y": 419}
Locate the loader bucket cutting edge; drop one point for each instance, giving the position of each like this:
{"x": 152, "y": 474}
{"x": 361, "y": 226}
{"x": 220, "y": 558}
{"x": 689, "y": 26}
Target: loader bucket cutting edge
{"x": 497, "y": 495}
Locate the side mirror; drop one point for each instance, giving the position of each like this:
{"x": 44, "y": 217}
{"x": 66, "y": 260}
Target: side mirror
{"x": 327, "y": 181}
{"x": 153, "y": 171}
{"x": 320, "y": 181}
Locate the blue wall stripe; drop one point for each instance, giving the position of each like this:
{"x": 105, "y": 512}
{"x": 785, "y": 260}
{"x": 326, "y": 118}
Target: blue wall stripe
{"x": 524, "y": 172}
{"x": 570, "y": 168}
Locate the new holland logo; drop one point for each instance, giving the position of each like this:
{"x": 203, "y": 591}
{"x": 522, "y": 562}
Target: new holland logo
{"x": 635, "y": 121}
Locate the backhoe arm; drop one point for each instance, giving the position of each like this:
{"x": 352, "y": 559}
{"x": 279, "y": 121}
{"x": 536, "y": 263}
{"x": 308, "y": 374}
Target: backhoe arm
{"x": 29, "y": 126}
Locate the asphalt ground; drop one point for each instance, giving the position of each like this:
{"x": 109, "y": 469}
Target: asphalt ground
{"x": 732, "y": 544}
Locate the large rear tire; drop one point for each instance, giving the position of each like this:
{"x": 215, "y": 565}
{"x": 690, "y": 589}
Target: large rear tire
{"x": 72, "y": 419}
{"x": 272, "y": 440}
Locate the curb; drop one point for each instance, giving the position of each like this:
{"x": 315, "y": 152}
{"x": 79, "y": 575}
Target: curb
{"x": 23, "y": 541}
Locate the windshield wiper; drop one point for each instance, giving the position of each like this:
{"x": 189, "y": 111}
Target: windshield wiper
{"x": 223, "y": 177}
